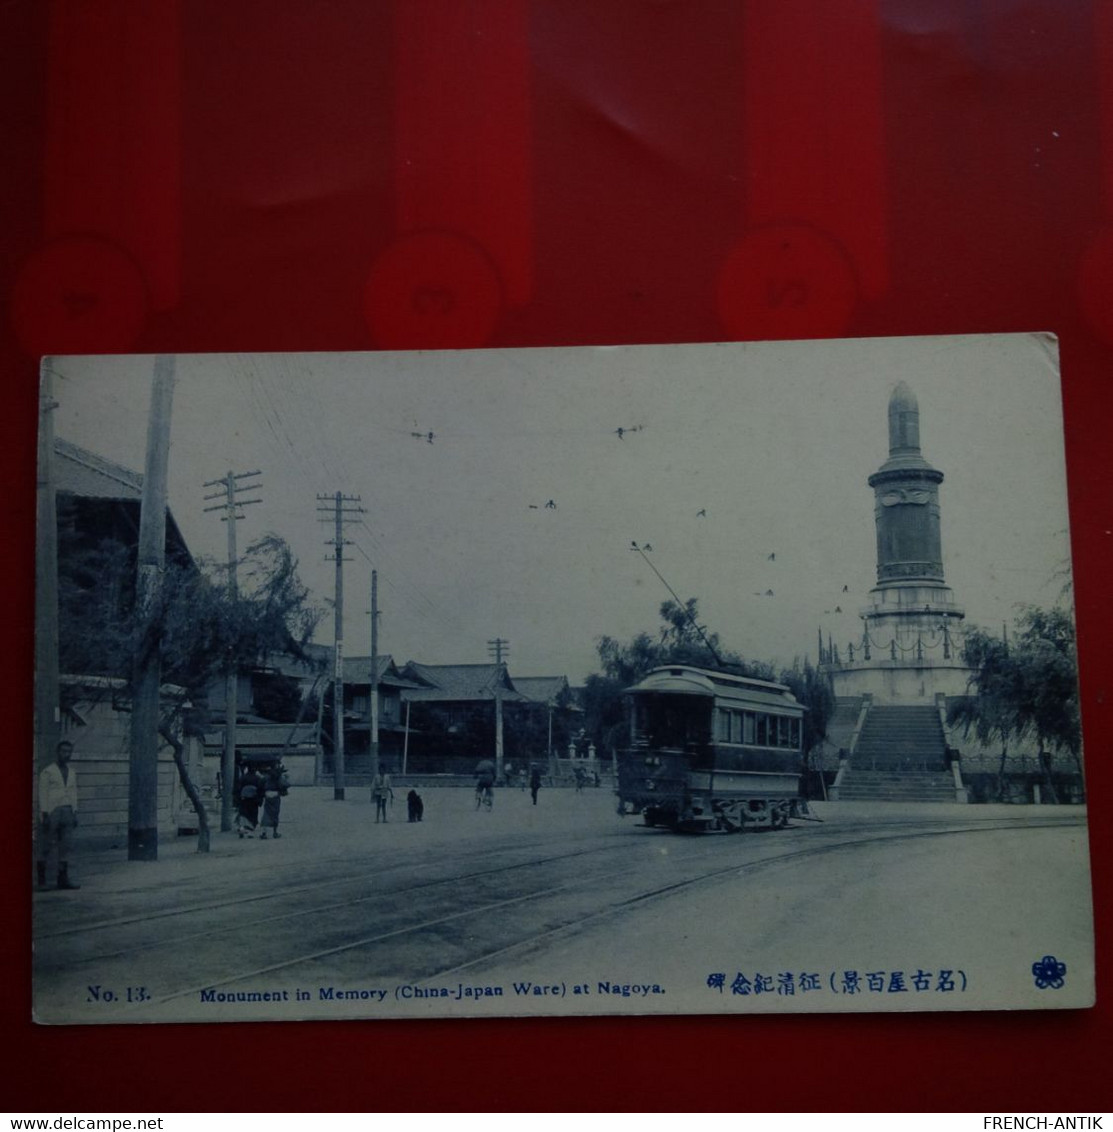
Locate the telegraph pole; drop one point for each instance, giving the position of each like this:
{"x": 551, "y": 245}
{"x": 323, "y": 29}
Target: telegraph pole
{"x": 143, "y": 770}
{"x": 46, "y": 582}
{"x": 341, "y": 515}
{"x": 496, "y": 648}
{"x": 228, "y": 488}
{"x": 374, "y": 706}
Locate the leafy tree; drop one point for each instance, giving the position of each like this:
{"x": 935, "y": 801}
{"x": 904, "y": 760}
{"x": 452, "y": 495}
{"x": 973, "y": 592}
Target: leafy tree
{"x": 813, "y": 689}
{"x": 1025, "y": 690}
{"x": 197, "y": 627}
{"x": 989, "y": 708}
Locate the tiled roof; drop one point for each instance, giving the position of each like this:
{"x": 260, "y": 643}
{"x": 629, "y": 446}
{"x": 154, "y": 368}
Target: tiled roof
{"x": 541, "y": 689}
{"x": 455, "y": 682}
{"x": 77, "y": 471}
{"x": 357, "y": 670}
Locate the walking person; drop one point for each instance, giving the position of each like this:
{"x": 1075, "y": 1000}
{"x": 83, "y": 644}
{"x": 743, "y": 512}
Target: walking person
{"x": 250, "y": 795}
{"x": 275, "y": 786}
{"x": 381, "y": 789}
{"x": 57, "y": 814}
{"x": 534, "y": 782}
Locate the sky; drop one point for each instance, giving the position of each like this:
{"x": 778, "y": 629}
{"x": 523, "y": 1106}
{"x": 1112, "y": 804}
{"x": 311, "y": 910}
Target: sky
{"x": 743, "y": 466}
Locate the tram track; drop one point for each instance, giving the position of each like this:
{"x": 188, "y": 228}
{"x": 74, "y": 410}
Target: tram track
{"x": 477, "y": 913}
{"x": 575, "y": 923}
{"x": 745, "y": 869}
{"x": 621, "y": 838}
{"x": 84, "y": 929}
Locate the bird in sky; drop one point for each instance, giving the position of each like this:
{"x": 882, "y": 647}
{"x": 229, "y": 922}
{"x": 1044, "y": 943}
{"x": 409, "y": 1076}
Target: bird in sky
{"x": 771, "y": 557}
{"x": 428, "y": 437}
{"x": 846, "y": 589}
{"x": 647, "y": 547}
{"x": 701, "y": 513}
{"x": 838, "y": 609}
{"x": 550, "y": 506}
{"x": 621, "y": 432}
{"x": 533, "y": 507}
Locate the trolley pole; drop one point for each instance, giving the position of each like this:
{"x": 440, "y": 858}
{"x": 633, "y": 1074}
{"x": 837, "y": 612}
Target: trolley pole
{"x": 228, "y": 488}
{"x": 341, "y": 515}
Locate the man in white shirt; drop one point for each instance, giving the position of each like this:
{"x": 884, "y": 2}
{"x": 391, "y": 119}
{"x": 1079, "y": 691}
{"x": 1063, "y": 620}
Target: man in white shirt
{"x": 57, "y": 814}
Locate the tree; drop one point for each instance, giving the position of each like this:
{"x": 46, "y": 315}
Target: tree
{"x": 197, "y": 626}
{"x": 1025, "y": 690}
{"x": 813, "y": 689}
{"x": 989, "y": 708}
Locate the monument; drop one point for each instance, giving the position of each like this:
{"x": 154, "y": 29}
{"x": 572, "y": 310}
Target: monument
{"x": 910, "y": 650}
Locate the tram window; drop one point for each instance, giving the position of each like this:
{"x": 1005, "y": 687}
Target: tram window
{"x": 796, "y": 734}
{"x": 783, "y": 731}
{"x": 670, "y": 722}
{"x": 763, "y": 731}
{"x": 748, "y": 727}
{"x": 729, "y": 726}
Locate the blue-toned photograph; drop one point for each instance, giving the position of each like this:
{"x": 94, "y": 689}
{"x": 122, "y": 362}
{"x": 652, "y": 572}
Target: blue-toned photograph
{"x": 685, "y": 679}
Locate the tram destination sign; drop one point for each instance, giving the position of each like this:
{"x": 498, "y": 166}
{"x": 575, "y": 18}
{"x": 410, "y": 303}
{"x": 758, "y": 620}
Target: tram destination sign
{"x": 701, "y": 679}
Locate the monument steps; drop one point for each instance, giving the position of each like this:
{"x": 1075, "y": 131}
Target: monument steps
{"x": 882, "y": 786}
{"x": 900, "y": 757}
{"x": 901, "y": 738}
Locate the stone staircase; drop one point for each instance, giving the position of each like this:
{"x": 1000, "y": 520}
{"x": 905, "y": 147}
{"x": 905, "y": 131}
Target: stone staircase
{"x": 896, "y": 786}
{"x": 900, "y": 757}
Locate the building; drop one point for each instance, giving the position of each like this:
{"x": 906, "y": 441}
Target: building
{"x": 389, "y": 685}
{"x": 277, "y": 714}
{"x": 98, "y": 504}
{"x": 461, "y": 713}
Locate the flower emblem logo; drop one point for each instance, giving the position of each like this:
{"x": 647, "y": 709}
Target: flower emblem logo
{"x": 1049, "y": 972}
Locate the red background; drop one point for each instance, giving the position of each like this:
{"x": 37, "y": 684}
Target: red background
{"x": 278, "y": 175}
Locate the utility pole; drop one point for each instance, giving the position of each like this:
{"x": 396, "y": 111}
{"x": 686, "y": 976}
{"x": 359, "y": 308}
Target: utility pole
{"x": 341, "y": 515}
{"x": 47, "y": 719}
{"x": 228, "y": 488}
{"x": 374, "y": 698}
{"x": 496, "y": 648}
{"x": 143, "y": 770}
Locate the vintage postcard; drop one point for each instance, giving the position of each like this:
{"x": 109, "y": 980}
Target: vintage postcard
{"x": 701, "y": 679}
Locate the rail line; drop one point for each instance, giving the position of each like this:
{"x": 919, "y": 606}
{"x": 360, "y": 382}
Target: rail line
{"x": 746, "y": 868}
{"x": 84, "y": 929}
{"x": 577, "y": 923}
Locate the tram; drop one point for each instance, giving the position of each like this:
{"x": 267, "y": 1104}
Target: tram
{"x": 711, "y": 751}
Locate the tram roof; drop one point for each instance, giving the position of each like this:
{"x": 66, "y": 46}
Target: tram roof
{"x": 683, "y": 679}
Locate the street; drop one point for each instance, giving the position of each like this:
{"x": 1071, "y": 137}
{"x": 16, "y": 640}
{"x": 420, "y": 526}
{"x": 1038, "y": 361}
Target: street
{"x": 565, "y": 908}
